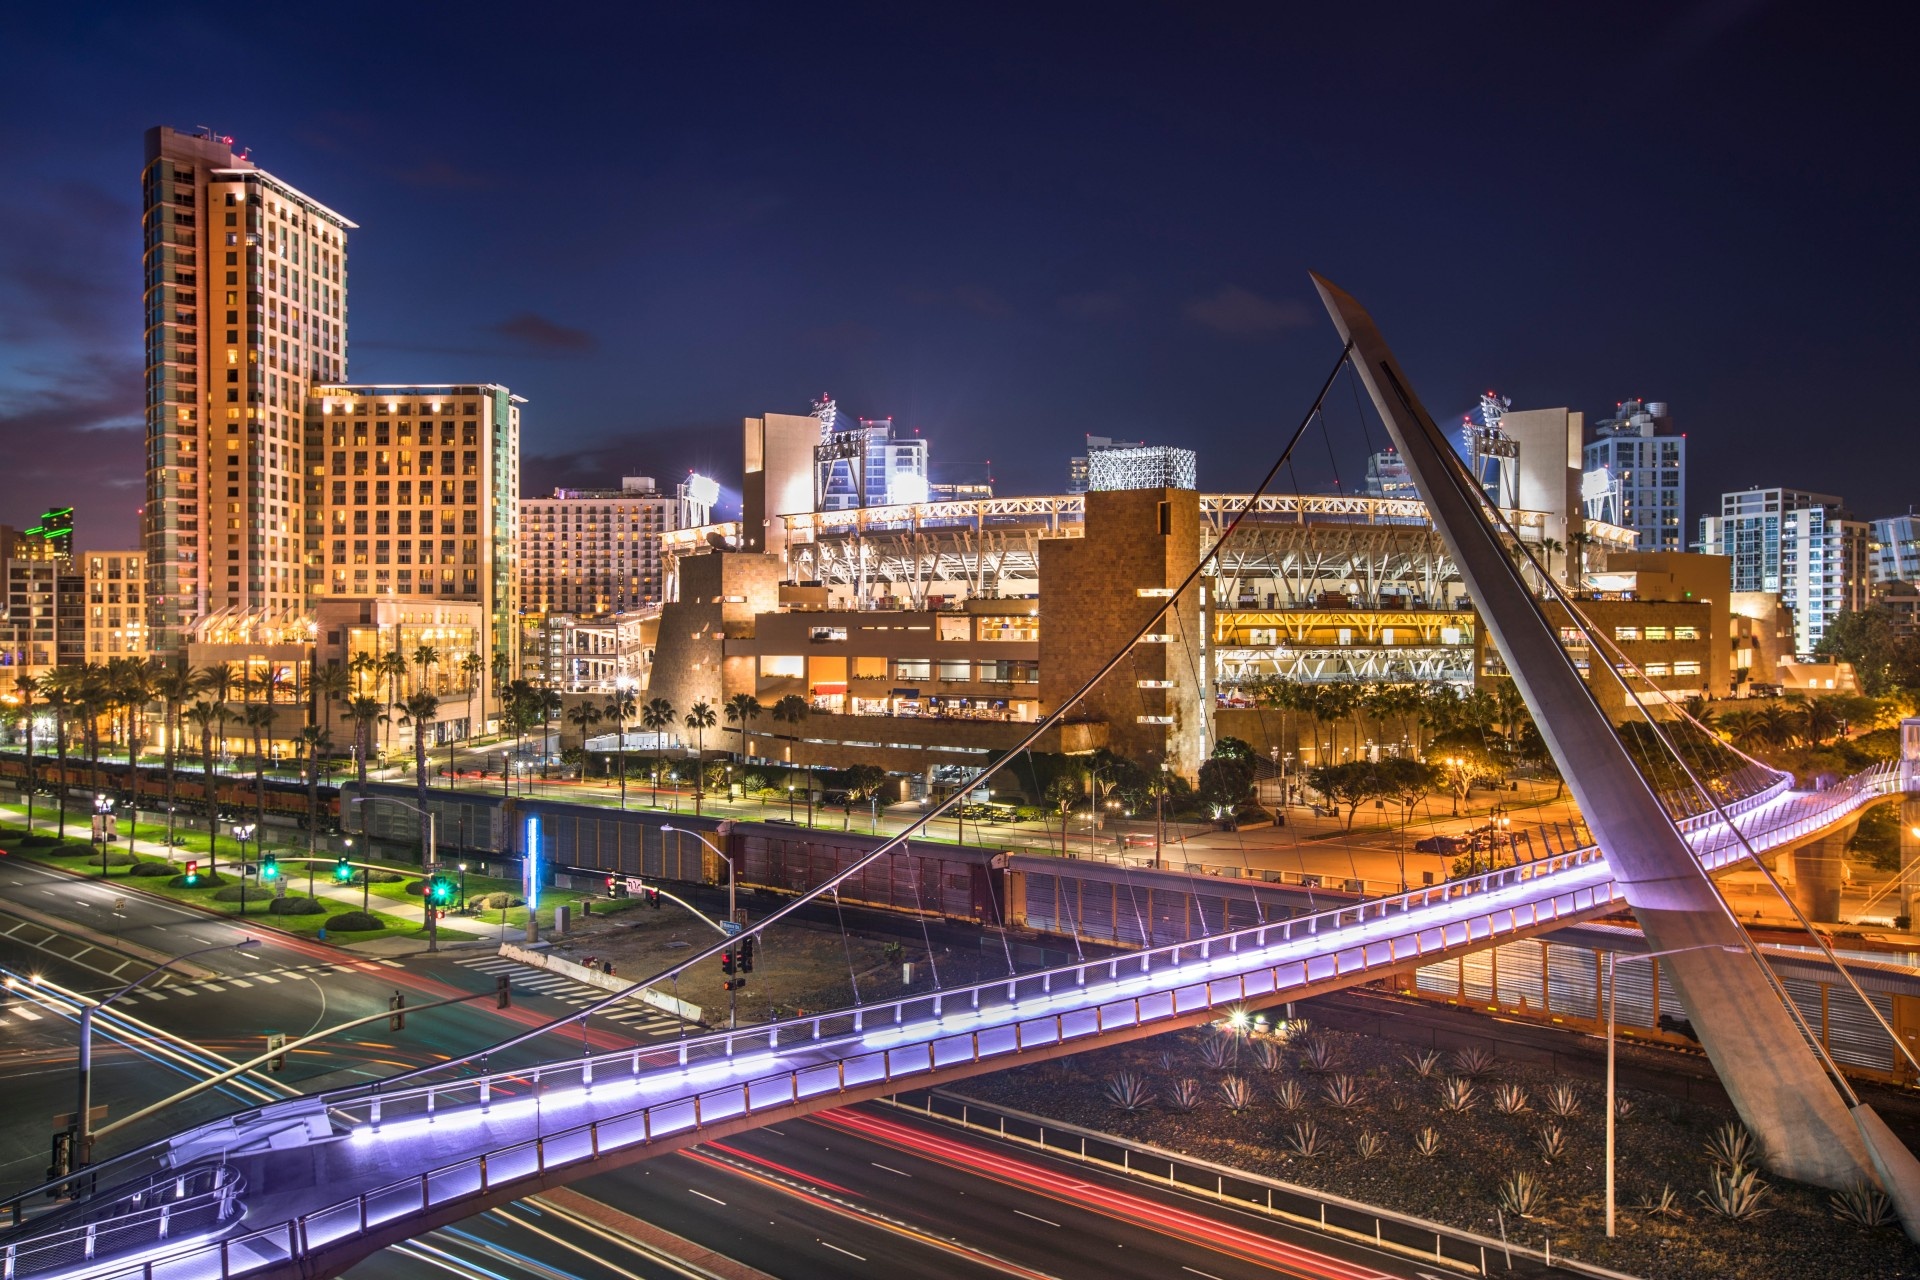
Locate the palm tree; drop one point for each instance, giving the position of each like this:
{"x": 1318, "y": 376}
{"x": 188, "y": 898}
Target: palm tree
{"x": 470, "y": 666}
{"x": 95, "y": 698}
{"x": 56, "y": 692}
{"x": 792, "y": 711}
{"x": 259, "y": 718}
{"x": 174, "y": 687}
{"x": 420, "y": 710}
{"x": 700, "y": 718}
{"x": 548, "y": 701}
{"x": 364, "y": 712}
{"x": 209, "y": 718}
{"x": 24, "y": 684}
{"x": 330, "y": 684}
{"x": 314, "y": 743}
{"x": 425, "y": 657}
{"x": 741, "y": 709}
{"x": 362, "y": 666}
{"x": 620, "y": 707}
{"x": 392, "y": 665}
{"x": 657, "y": 716}
{"x": 586, "y": 715}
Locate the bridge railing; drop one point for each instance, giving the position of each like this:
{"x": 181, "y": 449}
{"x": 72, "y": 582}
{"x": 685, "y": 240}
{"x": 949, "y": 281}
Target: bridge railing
{"x": 188, "y": 1206}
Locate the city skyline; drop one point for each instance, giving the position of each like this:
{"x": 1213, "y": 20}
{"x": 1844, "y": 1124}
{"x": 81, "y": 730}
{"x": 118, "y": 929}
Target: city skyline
{"x": 1143, "y": 283}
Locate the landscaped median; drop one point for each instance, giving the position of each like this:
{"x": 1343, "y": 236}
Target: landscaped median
{"x": 303, "y": 898}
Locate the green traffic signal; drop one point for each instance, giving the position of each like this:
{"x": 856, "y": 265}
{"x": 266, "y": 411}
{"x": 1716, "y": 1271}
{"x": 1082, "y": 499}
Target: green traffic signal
{"x": 343, "y": 870}
{"x": 270, "y": 867}
{"x": 439, "y": 890}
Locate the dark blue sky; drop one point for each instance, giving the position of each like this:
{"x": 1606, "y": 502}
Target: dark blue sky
{"x": 1007, "y": 227}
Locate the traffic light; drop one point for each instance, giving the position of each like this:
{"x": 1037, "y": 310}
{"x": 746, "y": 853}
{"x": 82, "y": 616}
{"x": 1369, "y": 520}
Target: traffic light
{"x": 269, "y": 867}
{"x": 193, "y": 874}
{"x": 278, "y": 1062}
{"x": 343, "y": 870}
{"x": 653, "y": 897}
{"x": 613, "y": 886}
{"x": 733, "y": 984}
{"x": 439, "y": 890}
{"x": 502, "y": 992}
{"x": 746, "y": 955}
{"x": 397, "y": 1003}
{"x": 727, "y": 964}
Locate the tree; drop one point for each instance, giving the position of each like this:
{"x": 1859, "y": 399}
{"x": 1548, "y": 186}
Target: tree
{"x": 657, "y": 717}
{"x": 1060, "y": 794}
{"x": 59, "y": 699}
{"x": 329, "y": 685}
{"x": 425, "y": 657}
{"x": 314, "y": 743}
{"x": 1234, "y": 749}
{"x": 1885, "y": 660}
{"x": 547, "y": 701}
{"x": 1462, "y": 756}
{"x": 864, "y": 781}
{"x": 470, "y": 666}
{"x": 364, "y": 712}
{"x": 1226, "y": 783}
{"x": 259, "y": 718}
{"x": 1532, "y": 750}
{"x": 792, "y": 711}
{"x": 393, "y": 665}
{"x": 209, "y": 718}
{"x": 585, "y": 715}
{"x": 421, "y": 709}
{"x": 743, "y": 708}
{"x": 620, "y": 708}
{"x": 700, "y": 718}
{"x": 24, "y": 685}
{"x": 1351, "y": 784}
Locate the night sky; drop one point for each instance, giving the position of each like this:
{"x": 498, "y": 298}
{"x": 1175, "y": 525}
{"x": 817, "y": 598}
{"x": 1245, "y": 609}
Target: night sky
{"x": 1005, "y": 227}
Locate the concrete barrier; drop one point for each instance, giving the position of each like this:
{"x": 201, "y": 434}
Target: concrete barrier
{"x": 594, "y": 978}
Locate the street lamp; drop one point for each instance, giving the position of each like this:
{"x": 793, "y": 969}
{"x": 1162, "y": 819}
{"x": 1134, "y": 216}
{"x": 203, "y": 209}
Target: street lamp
{"x": 427, "y": 865}
{"x": 719, "y": 853}
{"x": 102, "y": 806}
{"x": 1647, "y": 955}
{"x": 83, "y": 1131}
{"x": 241, "y": 832}
{"x": 463, "y": 886}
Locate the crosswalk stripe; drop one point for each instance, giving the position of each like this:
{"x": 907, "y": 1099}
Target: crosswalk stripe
{"x": 267, "y": 978}
{"x": 152, "y": 995}
{"x": 183, "y": 991}
{"x": 21, "y": 1011}
{"x": 238, "y": 982}
{"x": 211, "y": 986}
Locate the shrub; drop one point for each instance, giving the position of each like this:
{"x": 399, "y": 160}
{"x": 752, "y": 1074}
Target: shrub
{"x": 1473, "y": 1062}
{"x": 1864, "y": 1206}
{"x": 1167, "y": 1061}
{"x": 354, "y": 922}
{"x": 1522, "y": 1195}
{"x": 1220, "y": 1052}
{"x": 1182, "y": 1095}
{"x": 1396, "y": 1102}
{"x": 1509, "y": 1099}
{"x": 1664, "y": 1205}
{"x": 1127, "y": 1091}
{"x": 384, "y": 877}
{"x": 1427, "y": 1142}
{"x": 1343, "y": 1092}
{"x": 1369, "y": 1144}
{"x": 1735, "y": 1194}
{"x": 1235, "y": 1093}
{"x": 116, "y": 859}
{"x": 1457, "y": 1095}
{"x": 71, "y": 850}
{"x": 1304, "y": 1140}
{"x": 295, "y": 906}
{"x": 1425, "y": 1065}
{"x": 1731, "y": 1146}
{"x": 206, "y": 880}
{"x": 1563, "y": 1101}
{"x": 1266, "y": 1056}
{"x": 497, "y": 901}
{"x": 37, "y": 840}
{"x": 1290, "y": 1096}
{"x": 1318, "y": 1054}
{"x": 1552, "y": 1141}
{"x": 1622, "y": 1107}
{"x": 149, "y": 869}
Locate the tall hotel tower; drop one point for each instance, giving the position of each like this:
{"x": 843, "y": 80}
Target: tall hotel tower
{"x": 246, "y": 309}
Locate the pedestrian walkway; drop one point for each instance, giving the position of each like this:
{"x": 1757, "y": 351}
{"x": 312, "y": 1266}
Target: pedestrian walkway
{"x": 633, "y": 1015}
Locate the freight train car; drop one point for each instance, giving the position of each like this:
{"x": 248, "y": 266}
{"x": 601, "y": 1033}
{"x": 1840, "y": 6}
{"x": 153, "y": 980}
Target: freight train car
{"x": 231, "y": 792}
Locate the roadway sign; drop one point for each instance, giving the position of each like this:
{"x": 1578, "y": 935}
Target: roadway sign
{"x": 635, "y": 884}
{"x": 731, "y": 926}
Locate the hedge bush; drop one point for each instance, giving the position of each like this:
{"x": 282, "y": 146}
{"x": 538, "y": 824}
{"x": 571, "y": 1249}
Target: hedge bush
{"x": 152, "y": 869}
{"x": 295, "y": 906}
{"x": 206, "y": 880}
{"x": 497, "y": 901}
{"x": 354, "y": 922}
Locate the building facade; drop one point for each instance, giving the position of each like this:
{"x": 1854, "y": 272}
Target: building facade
{"x": 116, "y": 619}
{"x": 1799, "y": 545}
{"x": 588, "y": 552}
{"x": 868, "y": 466}
{"x": 245, "y": 288}
{"x": 45, "y": 621}
{"x": 1644, "y": 486}
{"x": 1895, "y": 550}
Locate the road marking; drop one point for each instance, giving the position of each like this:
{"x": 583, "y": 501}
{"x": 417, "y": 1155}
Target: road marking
{"x": 266, "y": 978}
{"x": 152, "y": 995}
{"x": 767, "y": 1128}
{"x": 837, "y": 1249}
{"x": 184, "y": 991}
{"x": 704, "y": 1196}
{"x": 238, "y": 982}
{"x": 28, "y": 1014}
{"x": 1036, "y": 1217}
{"x": 1207, "y": 1274}
{"x": 211, "y": 986}
{"x": 889, "y": 1168}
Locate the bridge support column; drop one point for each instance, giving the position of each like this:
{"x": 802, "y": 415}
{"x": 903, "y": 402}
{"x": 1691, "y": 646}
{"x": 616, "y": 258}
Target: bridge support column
{"x": 1817, "y": 873}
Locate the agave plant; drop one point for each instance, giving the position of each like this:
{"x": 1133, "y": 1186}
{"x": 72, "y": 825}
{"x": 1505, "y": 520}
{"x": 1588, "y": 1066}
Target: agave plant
{"x": 1343, "y": 1092}
{"x": 1182, "y": 1095}
{"x": 1220, "y": 1052}
{"x": 1304, "y": 1140}
{"x": 1369, "y": 1144}
{"x": 1396, "y": 1102}
{"x": 1319, "y": 1054}
{"x": 1127, "y": 1091}
{"x": 1290, "y": 1095}
{"x": 1509, "y": 1099}
{"x": 1522, "y": 1195}
{"x": 1664, "y": 1205}
{"x": 1735, "y": 1194}
{"x": 1266, "y": 1056}
{"x": 1473, "y": 1062}
{"x": 1563, "y": 1101}
{"x": 1425, "y": 1065}
{"x": 1552, "y": 1141}
{"x": 1457, "y": 1095}
{"x": 1427, "y": 1142}
{"x": 1294, "y": 1028}
{"x": 1863, "y": 1205}
{"x": 1732, "y": 1146}
{"x": 1236, "y": 1094}
{"x": 1622, "y": 1108}
{"x": 1168, "y": 1062}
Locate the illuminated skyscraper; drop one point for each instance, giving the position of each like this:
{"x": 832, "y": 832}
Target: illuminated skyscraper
{"x": 245, "y": 309}
{"x": 1645, "y": 486}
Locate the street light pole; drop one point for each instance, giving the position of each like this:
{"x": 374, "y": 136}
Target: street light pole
{"x": 732, "y": 915}
{"x": 83, "y": 1131}
{"x": 1649, "y": 955}
{"x": 432, "y": 856}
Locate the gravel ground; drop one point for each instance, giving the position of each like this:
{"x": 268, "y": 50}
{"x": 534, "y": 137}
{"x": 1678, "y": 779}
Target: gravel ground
{"x": 1662, "y": 1144}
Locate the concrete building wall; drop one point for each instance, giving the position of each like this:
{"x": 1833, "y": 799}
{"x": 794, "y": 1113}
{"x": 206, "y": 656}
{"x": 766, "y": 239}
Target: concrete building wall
{"x": 1550, "y": 460}
{"x": 116, "y": 620}
{"x": 720, "y": 593}
{"x": 778, "y": 477}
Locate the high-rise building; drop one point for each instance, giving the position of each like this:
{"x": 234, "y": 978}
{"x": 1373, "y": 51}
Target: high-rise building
{"x": 1388, "y": 476}
{"x": 1798, "y": 545}
{"x": 589, "y": 552}
{"x": 1080, "y": 466}
{"x": 116, "y": 622}
{"x": 1896, "y": 550}
{"x": 868, "y": 466}
{"x": 44, "y": 623}
{"x": 1644, "y": 485}
{"x": 245, "y": 308}
{"x": 52, "y": 538}
{"x": 413, "y": 492}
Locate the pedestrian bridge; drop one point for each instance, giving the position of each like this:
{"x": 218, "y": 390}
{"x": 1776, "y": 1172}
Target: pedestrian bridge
{"x": 308, "y": 1186}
